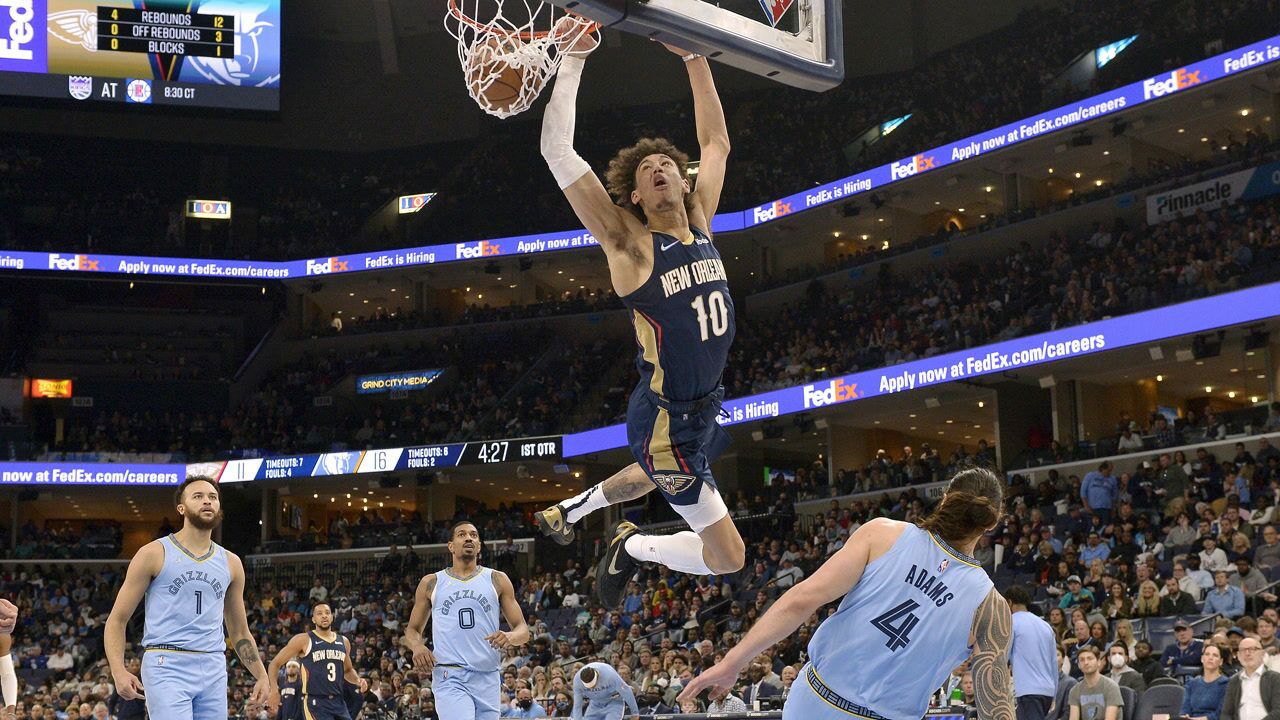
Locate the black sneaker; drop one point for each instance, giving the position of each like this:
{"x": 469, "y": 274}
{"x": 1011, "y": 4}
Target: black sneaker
{"x": 554, "y": 524}
{"x": 617, "y": 567}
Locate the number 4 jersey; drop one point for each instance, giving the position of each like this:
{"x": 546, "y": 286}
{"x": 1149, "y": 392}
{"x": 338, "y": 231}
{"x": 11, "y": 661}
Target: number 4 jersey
{"x": 683, "y": 318}
{"x": 463, "y": 614}
{"x": 184, "y": 601}
{"x": 903, "y": 628}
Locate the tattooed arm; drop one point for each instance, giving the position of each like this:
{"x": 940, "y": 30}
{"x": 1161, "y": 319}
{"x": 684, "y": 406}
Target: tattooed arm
{"x": 992, "y": 635}
{"x": 237, "y": 622}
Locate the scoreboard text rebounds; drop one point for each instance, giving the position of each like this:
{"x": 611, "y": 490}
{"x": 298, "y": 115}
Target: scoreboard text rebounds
{"x": 166, "y": 33}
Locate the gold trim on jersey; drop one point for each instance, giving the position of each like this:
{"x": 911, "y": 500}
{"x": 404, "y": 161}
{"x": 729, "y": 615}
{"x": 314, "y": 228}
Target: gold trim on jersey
{"x": 953, "y": 553}
{"x": 660, "y": 451}
{"x": 647, "y": 336}
{"x": 479, "y": 571}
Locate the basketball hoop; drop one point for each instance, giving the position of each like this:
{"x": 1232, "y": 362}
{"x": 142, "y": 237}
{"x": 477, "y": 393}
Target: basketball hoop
{"x": 509, "y": 49}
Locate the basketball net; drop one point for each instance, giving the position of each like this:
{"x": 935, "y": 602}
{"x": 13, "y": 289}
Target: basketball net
{"x": 509, "y": 49}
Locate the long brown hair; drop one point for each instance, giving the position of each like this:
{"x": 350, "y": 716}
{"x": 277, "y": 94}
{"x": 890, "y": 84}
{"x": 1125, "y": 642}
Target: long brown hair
{"x": 970, "y": 505}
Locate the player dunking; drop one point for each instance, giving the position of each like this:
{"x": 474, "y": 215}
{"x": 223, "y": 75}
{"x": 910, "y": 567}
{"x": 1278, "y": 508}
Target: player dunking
{"x": 325, "y": 668}
{"x": 462, "y": 602}
{"x": 192, "y": 586}
{"x": 668, "y": 273}
{"x": 916, "y": 604}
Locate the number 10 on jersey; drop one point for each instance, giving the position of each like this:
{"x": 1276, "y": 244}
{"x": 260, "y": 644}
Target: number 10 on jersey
{"x": 713, "y": 314}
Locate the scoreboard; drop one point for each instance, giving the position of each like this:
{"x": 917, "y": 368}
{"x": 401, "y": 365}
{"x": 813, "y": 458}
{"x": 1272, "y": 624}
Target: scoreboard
{"x": 166, "y": 33}
{"x": 385, "y": 460}
{"x": 196, "y": 53}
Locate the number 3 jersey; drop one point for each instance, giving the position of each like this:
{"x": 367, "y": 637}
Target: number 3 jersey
{"x": 184, "y": 601}
{"x": 683, "y": 317}
{"x": 901, "y": 630}
{"x": 463, "y": 614}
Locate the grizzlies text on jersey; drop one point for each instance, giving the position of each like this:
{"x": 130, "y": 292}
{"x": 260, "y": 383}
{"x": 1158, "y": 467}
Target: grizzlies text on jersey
{"x": 463, "y": 614}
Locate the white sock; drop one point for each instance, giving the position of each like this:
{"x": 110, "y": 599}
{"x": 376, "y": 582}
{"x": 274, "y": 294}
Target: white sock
{"x": 579, "y": 506}
{"x": 681, "y": 552}
{"x": 8, "y": 680}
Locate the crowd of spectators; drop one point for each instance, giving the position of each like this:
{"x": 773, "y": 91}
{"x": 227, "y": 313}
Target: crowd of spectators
{"x": 301, "y": 206}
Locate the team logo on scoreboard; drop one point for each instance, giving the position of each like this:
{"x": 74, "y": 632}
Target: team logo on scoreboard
{"x": 775, "y": 9}
{"x": 138, "y": 91}
{"x": 75, "y": 27}
{"x": 672, "y": 483}
{"x": 257, "y": 58}
{"x": 80, "y": 86}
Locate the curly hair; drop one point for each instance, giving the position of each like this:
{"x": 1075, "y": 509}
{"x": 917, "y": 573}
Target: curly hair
{"x": 620, "y": 178}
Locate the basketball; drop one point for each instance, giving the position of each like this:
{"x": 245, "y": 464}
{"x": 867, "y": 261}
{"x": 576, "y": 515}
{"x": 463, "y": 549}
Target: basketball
{"x": 490, "y": 78}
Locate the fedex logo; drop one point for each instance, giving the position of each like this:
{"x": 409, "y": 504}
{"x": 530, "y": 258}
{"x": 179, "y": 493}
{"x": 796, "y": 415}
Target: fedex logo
{"x": 484, "y": 248}
{"x": 914, "y": 165}
{"x": 331, "y": 265}
{"x": 1177, "y": 80}
{"x": 23, "y": 45}
{"x": 75, "y": 262}
{"x": 836, "y": 391}
{"x": 772, "y": 212}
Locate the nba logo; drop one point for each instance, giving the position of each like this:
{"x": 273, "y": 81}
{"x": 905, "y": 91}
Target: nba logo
{"x": 80, "y": 87}
{"x": 942, "y": 566}
{"x": 138, "y": 91}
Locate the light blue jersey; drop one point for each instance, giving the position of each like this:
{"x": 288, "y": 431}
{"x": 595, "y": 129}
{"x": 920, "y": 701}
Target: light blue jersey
{"x": 610, "y": 697}
{"x": 1033, "y": 656}
{"x": 184, "y": 602}
{"x": 898, "y": 633}
{"x": 463, "y": 614}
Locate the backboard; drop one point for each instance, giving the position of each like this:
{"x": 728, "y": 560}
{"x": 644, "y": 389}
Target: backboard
{"x": 797, "y": 42}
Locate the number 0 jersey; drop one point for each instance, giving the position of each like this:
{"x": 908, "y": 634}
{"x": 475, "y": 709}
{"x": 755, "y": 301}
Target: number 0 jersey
{"x": 903, "y": 628}
{"x": 463, "y": 614}
{"x": 683, "y": 317}
{"x": 184, "y": 601}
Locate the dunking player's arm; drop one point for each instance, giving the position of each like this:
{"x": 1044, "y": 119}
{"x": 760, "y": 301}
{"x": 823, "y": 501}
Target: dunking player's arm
{"x": 142, "y": 569}
{"x": 423, "y": 659}
{"x": 992, "y": 635}
{"x": 519, "y": 632}
{"x": 834, "y": 579}
{"x": 713, "y": 141}
{"x": 237, "y": 623}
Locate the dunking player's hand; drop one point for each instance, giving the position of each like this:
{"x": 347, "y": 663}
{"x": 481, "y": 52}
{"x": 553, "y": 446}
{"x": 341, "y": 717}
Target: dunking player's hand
{"x": 423, "y": 658}
{"x": 574, "y": 38}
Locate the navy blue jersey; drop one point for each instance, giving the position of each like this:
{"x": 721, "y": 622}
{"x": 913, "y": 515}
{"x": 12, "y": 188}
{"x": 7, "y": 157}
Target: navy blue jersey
{"x": 290, "y": 700}
{"x": 684, "y": 318}
{"x": 323, "y": 666}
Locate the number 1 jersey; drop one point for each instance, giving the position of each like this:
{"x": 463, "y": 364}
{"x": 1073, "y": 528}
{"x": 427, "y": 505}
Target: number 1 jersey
{"x": 184, "y": 601}
{"x": 901, "y": 630}
{"x": 683, "y": 317}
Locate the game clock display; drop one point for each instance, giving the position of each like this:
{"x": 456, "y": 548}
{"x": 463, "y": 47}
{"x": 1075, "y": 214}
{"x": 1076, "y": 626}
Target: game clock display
{"x": 198, "y": 53}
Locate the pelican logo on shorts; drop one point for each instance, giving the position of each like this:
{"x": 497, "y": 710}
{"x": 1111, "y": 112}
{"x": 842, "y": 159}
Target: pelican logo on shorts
{"x": 942, "y": 566}
{"x": 1179, "y": 79}
{"x": 911, "y": 166}
{"x": 326, "y": 266}
{"x": 673, "y": 483}
{"x": 80, "y": 86}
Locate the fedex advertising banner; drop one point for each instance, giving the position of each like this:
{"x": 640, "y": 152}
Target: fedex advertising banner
{"x": 1244, "y": 185}
{"x": 24, "y": 473}
{"x": 1151, "y": 326}
{"x": 24, "y": 34}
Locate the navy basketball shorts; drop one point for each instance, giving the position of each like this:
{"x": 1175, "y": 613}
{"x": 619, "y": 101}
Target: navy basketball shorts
{"x": 675, "y": 443}
{"x": 325, "y": 707}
